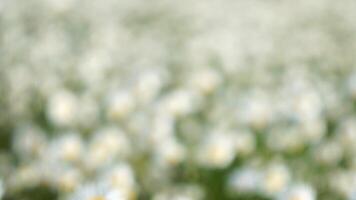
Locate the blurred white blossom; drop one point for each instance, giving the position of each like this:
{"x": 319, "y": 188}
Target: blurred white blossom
{"x": 182, "y": 100}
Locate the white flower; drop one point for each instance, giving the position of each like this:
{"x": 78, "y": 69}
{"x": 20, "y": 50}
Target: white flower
{"x": 206, "y": 80}
{"x": 120, "y": 104}
{"x": 112, "y": 138}
{"x": 217, "y": 150}
{"x": 67, "y": 147}
{"x": 97, "y": 192}
{"x": 66, "y": 179}
{"x": 179, "y": 103}
{"x": 148, "y": 86}
{"x": 170, "y": 152}
{"x": 107, "y": 144}
{"x": 121, "y": 176}
{"x": 298, "y": 192}
{"x": 276, "y": 178}
{"x": 308, "y": 105}
{"x": 256, "y": 112}
{"x": 246, "y": 180}
{"x": 62, "y": 108}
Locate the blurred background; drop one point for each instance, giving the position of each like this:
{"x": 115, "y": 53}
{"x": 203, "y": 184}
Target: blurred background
{"x": 177, "y": 100}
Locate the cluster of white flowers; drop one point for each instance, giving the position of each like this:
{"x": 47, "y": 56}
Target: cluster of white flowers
{"x": 182, "y": 100}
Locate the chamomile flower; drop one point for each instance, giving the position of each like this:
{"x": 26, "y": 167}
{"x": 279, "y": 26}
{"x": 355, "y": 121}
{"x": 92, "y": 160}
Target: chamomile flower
{"x": 92, "y": 191}
{"x": 62, "y": 108}
{"x": 122, "y": 177}
{"x": 217, "y": 150}
{"x": 276, "y": 179}
{"x": 170, "y": 153}
{"x": 67, "y": 147}
{"x": 246, "y": 180}
{"x": 120, "y": 104}
{"x": 298, "y": 192}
